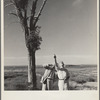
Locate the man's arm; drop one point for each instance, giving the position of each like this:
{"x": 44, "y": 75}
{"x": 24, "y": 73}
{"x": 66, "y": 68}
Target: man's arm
{"x": 56, "y": 64}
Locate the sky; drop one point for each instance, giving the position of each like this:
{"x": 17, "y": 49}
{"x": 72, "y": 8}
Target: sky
{"x": 68, "y": 29}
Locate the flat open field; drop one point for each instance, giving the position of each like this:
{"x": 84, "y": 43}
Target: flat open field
{"x": 83, "y": 77}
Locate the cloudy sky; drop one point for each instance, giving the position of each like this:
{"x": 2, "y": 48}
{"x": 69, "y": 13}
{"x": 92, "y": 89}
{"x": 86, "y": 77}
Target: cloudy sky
{"x": 69, "y": 30}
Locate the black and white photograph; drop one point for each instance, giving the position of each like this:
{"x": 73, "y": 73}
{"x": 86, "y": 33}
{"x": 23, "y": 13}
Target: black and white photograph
{"x": 50, "y": 45}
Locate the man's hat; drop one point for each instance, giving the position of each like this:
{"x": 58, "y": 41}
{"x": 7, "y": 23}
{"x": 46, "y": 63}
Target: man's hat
{"x": 48, "y": 65}
{"x": 45, "y": 65}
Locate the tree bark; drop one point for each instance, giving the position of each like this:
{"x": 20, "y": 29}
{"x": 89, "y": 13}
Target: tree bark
{"x": 32, "y": 70}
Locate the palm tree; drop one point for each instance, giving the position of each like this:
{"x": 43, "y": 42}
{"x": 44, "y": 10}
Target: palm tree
{"x": 31, "y": 30}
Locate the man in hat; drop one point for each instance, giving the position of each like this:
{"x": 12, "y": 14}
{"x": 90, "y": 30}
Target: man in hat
{"x": 47, "y": 78}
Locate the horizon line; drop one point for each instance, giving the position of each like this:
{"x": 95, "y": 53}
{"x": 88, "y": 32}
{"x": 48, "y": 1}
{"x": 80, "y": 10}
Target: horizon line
{"x": 42, "y": 64}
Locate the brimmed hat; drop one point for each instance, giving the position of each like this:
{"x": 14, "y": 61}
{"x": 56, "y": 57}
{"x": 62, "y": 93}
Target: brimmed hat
{"x": 45, "y": 65}
{"x": 48, "y": 65}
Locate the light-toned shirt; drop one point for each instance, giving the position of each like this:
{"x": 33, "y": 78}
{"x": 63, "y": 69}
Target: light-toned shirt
{"x": 63, "y": 74}
{"x": 47, "y": 74}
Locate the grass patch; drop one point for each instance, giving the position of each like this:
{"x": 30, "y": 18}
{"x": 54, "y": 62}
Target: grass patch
{"x": 17, "y": 78}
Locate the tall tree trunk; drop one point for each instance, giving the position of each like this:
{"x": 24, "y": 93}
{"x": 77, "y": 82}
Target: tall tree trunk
{"x": 32, "y": 70}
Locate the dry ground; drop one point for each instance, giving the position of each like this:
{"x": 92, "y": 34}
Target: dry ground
{"x": 83, "y": 77}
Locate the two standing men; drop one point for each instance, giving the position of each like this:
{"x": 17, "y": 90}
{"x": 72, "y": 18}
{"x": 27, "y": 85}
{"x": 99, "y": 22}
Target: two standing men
{"x": 48, "y": 77}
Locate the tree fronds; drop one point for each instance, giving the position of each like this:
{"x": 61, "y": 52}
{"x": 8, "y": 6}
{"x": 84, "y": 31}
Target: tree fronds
{"x": 40, "y": 11}
{"x": 21, "y": 4}
{"x": 7, "y": 5}
{"x": 28, "y": 23}
{"x": 34, "y": 41}
{"x": 11, "y": 13}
